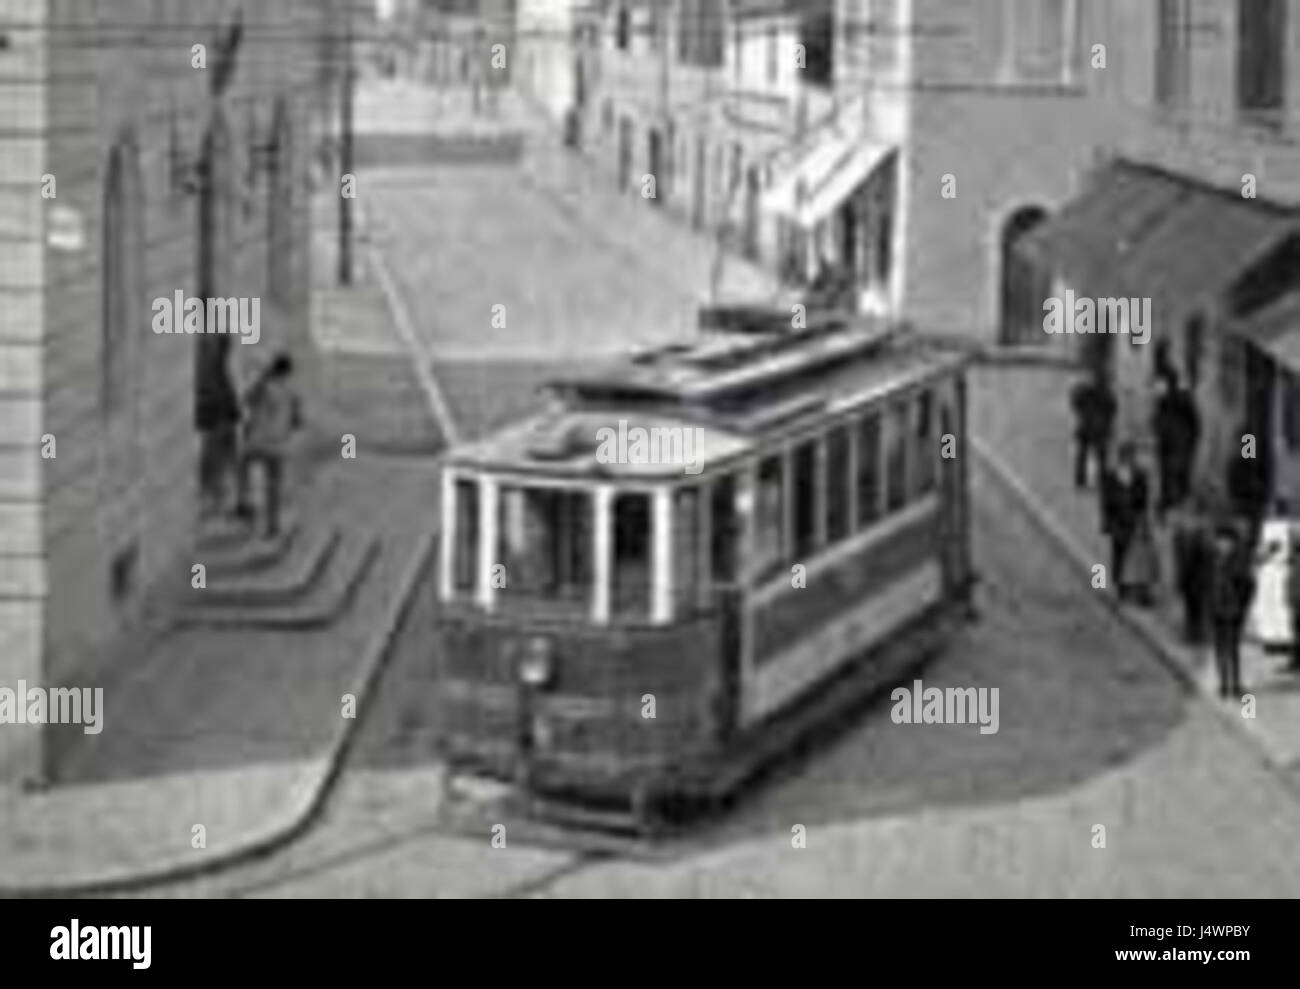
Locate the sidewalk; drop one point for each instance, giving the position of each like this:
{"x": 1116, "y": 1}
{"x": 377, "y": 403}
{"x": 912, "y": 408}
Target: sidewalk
{"x": 1027, "y": 444}
{"x": 239, "y": 730}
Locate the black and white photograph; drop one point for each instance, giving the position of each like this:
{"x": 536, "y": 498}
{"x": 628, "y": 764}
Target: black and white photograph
{"x": 651, "y": 449}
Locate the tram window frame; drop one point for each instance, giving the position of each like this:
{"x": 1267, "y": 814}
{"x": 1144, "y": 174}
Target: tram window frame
{"x": 805, "y": 503}
{"x": 689, "y": 553}
{"x": 465, "y": 537}
{"x": 898, "y": 434}
{"x": 838, "y": 477}
{"x": 925, "y": 473}
{"x": 724, "y": 530}
{"x": 570, "y": 535}
{"x": 869, "y": 478}
{"x": 770, "y": 540}
{"x": 625, "y": 602}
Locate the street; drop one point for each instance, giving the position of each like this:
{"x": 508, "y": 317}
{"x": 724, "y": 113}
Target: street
{"x": 1094, "y": 732}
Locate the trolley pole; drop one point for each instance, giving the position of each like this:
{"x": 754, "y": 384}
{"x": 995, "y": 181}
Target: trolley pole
{"x": 346, "y": 155}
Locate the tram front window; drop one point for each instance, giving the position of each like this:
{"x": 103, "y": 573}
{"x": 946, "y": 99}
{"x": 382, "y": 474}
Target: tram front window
{"x": 631, "y": 565}
{"x": 545, "y": 547}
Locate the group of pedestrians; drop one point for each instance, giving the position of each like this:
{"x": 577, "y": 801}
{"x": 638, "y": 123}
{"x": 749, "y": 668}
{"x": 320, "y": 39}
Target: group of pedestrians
{"x": 270, "y": 413}
{"x": 1212, "y": 551}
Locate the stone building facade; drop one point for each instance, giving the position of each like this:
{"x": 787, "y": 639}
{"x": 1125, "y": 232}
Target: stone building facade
{"x": 131, "y": 169}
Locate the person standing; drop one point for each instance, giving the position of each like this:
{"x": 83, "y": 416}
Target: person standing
{"x": 216, "y": 417}
{"x": 1164, "y": 429}
{"x": 1193, "y": 567}
{"x": 1094, "y": 408}
{"x": 1125, "y": 502}
{"x": 1185, "y": 437}
{"x": 273, "y": 415}
{"x": 1293, "y": 595}
{"x": 1231, "y": 589}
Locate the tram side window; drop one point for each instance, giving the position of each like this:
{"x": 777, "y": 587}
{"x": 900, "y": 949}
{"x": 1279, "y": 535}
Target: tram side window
{"x": 837, "y": 484}
{"x": 545, "y": 546}
{"x": 688, "y": 553}
{"x": 769, "y": 516}
{"x": 630, "y": 594}
{"x": 868, "y": 479}
{"x": 927, "y": 451}
{"x": 804, "y": 491}
{"x": 896, "y": 459}
{"x": 725, "y": 529}
{"x": 465, "y": 559}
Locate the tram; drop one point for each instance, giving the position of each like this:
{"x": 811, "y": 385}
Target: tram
{"x": 626, "y": 634}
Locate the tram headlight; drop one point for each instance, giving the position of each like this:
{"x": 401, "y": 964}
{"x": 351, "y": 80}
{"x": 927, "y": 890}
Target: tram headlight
{"x": 537, "y": 664}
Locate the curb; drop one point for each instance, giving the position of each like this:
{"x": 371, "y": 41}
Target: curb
{"x": 300, "y": 819}
{"x": 1149, "y": 630}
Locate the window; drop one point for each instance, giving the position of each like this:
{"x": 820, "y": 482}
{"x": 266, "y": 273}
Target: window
{"x": 804, "y": 495}
{"x": 868, "y": 479}
{"x": 1173, "y": 53}
{"x": 769, "y": 516}
{"x": 773, "y": 47}
{"x": 838, "y": 491}
{"x": 465, "y": 553}
{"x": 926, "y": 448}
{"x": 896, "y": 459}
{"x": 1038, "y": 40}
{"x": 622, "y": 27}
{"x": 630, "y": 569}
{"x": 701, "y": 33}
{"x": 1261, "y": 54}
{"x": 725, "y": 530}
{"x": 545, "y": 545}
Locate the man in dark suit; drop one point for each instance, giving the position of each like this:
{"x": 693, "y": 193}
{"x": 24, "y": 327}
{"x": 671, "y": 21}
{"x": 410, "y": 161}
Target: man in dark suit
{"x": 1231, "y": 588}
{"x": 1094, "y": 408}
{"x": 1125, "y": 501}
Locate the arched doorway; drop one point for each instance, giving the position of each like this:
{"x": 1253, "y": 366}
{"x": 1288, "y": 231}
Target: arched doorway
{"x": 216, "y": 406}
{"x": 279, "y": 208}
{"x": 123, "y": 311}
{"x": 1024, "y": 284}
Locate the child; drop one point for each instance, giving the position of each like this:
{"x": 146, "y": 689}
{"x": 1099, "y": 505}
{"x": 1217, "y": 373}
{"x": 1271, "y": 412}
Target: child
{"x": 273, "y": 415}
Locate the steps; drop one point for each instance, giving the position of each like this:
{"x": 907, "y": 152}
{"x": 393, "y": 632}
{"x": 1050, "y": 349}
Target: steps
{"x": 305, "y": 578}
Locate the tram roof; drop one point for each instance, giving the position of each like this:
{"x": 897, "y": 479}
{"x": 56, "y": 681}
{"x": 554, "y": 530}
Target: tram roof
{"x": 747, "y": 378}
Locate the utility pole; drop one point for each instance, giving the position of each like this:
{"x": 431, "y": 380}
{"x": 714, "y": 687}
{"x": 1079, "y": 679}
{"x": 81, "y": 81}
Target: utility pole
{"x": 345, "y": 202}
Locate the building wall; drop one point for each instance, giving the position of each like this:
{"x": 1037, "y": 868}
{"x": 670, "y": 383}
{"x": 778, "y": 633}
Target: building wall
{"x": 117, "y": 502}
{"x": 22, "y": 329}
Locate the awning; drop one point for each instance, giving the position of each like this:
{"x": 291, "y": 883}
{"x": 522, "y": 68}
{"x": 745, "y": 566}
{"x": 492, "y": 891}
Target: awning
{"x": 1205, "y": 245}
{"x": 1275, "y": 330}
{"x": 824, "y": 179}
{"x": 1092, "y": 240}
{"x": 1138, "y": 232}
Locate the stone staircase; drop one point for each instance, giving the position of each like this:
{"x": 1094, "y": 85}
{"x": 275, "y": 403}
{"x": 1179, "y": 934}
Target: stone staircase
{"x": 304, "y": 578}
